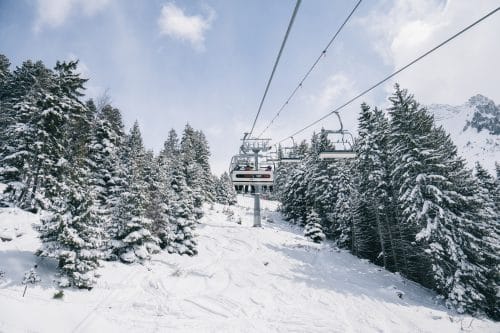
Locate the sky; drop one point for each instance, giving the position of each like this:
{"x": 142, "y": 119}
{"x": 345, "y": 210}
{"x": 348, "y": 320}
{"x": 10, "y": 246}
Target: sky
{"x": 206, "y": 62}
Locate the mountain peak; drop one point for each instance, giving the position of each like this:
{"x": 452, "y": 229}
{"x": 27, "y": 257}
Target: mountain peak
{"x": 486, "y": 115}
{"x": 474, "y": 127}
{"x": 479, "y": 100}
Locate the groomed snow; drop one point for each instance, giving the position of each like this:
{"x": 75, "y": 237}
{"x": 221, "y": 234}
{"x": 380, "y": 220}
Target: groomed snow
{"x": 244, "y": 279}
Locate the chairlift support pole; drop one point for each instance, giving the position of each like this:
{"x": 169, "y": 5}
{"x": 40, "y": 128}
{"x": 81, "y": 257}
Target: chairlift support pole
{"x": 256, "y": 146}
{"x": 256, "y": 198}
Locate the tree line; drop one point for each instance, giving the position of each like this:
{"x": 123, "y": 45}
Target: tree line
{"x": 100, "y": 192}
{"x": 407, "y": 202}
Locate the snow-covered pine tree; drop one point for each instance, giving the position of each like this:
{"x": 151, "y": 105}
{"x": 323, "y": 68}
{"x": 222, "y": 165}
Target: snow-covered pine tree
{"x": 165, "y": 162}
{"x": 293, "y": 194}
{"x": 21, "y": 109}
{"x": 171, "y": 148}
{"x": 164, "y": 196}
{"x": 496, "y": 191}
{"x": 81, "y": 117}
{"x": 412, "y": 181}
{"x": 72, "y": 233}
{"x": 486, "y": 181}
{"x": 5, "y": 77}
{"x": 4, "y": 70}
{"x": 344, "y": 219}
{"x": 224, "y": 190}
{"x": 158, "y": 195}
{"x": 322, "y": 190}
{"x": 151, "y": 179}
{"x": 482, "y": 248}
{"x": 44, "y": 105}
{"x": 441, "y": 212}
{"x": 372, "y": 169}
{"x": 202, "y": 154}
{"x": 281, "y": 174}
{"x": 193, "y": 171}
{"x": 220, "y": 194}
{"x": 313, "y": 229}
{"x": 31, "y": 277}
{"x": 473, "y": 284}
{"x": 228, "y": 186}
{"x": 107, "y": 173}
{"x": 133, "y": 240}
{"x": 181, "y": 237}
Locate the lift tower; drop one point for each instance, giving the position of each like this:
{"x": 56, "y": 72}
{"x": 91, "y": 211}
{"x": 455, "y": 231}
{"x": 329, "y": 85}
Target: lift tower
{"x": 256, "y": 146}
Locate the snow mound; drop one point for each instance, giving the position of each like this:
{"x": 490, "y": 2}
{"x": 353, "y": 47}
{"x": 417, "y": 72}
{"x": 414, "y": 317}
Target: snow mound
{"x": 16, "y": 223}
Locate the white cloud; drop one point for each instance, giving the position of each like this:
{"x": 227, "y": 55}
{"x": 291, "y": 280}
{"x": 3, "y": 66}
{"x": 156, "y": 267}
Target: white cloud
{"x": 54, "y": 13}
{"x": 335, "y": 91}
{"x": 465, "y": 66}
{"x": 92, "y": 7}
{"x": 338, "y": 87}
{"x": 173, "y": 22}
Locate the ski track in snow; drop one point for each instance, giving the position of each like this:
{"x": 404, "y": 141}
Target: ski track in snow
{"x": 244, "y": 279}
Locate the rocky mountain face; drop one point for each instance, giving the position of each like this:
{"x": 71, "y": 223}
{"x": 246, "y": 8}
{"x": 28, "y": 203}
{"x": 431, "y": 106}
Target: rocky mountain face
{"x": 486, "y": 117}
{"x": 474, "y": 127}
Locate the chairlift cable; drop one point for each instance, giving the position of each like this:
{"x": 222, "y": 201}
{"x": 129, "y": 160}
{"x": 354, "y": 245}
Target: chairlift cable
{"x": 304, "y": 78}
{"x": 392, "y": 74}
{"x": 292, "y": 19}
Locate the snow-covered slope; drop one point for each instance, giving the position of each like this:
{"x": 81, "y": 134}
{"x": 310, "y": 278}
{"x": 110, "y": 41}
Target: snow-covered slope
{"x": 474, "y": 127}
{"x": 246, "y": 279}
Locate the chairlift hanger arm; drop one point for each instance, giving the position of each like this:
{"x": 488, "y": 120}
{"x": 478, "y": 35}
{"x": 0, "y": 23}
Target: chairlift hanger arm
{"x": 340, "y": 119}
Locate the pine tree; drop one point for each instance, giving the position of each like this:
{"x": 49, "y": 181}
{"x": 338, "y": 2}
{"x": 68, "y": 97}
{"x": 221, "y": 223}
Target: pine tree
{"x": 165, "y": 195}
{"x": 412, "y": 182}
{"x": 193, "y": 171}
{"x": 5, "y": 77}
{"x": 132, "y": 239}
{"x": 344, "y": 221}
{"x": 482, "y": 247}
{"x": 373, "y": 172}
{"x": 72, "y": 234}
{"x": 442, "y": 214}
{"x": 43, "y": 106}
{"x": 31, "y": 277}
{"x": 182, "y": 218}
{"x": 171, "y": 147}
{"x": 159, "y": 196}
{"x": 313, "y": 229}
{"x": 321, "y": 189}
{"x": 224, "y": 190}
{"x": 20, "y": 104}
{"x": 202, "y": 154}
{"x": 293, "y": 195}
{"x": 4, "y": 70}
{"x": 107, "y": 170}
{"x": 228, "y": 188}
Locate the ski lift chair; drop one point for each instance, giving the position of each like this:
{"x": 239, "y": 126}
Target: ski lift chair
{"x": 341, "y": 144}
{"x": 290, "y": 154}
{"x": 243, "y": 173}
